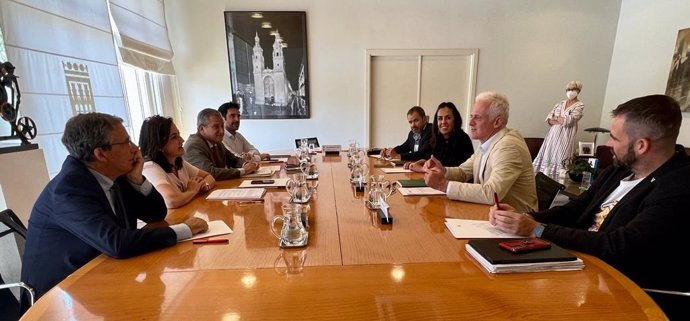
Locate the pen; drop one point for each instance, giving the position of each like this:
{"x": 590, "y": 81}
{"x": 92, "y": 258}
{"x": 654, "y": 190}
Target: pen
{"x": 250, "y": 202}
{"x": 210, "y": 241}
{"x": 496, "y": 201}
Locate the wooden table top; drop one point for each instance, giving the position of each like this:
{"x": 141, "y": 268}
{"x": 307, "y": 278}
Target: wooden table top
{"x": 353, "y": 269}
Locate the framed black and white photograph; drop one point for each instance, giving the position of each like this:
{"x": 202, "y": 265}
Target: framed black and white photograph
{"x": 678, "y": 84}
{"x": 267, "y": 52}
{"x": 586, "y": 149}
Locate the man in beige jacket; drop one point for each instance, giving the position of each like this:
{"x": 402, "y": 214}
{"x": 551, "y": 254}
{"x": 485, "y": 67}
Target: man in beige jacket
{"x": 501, "y": 164}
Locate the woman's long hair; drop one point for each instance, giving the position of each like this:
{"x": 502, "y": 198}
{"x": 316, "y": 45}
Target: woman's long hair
{"x": 154, "y": 135}
{"x": 457, "y": 121}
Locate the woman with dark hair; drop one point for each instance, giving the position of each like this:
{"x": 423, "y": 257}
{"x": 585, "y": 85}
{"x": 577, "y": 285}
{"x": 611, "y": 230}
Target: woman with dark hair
{"x": 174, "y": 178}
{"x": 451, "y": 145}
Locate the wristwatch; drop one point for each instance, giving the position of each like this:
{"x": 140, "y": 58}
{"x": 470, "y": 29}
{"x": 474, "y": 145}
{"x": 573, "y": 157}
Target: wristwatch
{"x": 539, "y": 230}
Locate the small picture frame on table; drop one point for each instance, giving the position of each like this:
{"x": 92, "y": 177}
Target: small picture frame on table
{"x": 586, "y": 149}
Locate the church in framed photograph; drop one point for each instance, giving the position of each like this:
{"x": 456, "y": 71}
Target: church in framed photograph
{"x": 678, "y": 84}
{"x": 267, "y": 52}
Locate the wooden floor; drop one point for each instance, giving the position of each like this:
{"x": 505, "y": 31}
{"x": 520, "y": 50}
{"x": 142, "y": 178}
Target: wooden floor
{"x": 354, "y": 269}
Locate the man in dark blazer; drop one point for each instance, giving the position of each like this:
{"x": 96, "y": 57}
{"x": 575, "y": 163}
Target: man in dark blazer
{"x": 206, "y": 151}
{"x": 92, "y": 205}
{"x": 634, "y": 216}
{"x": 418, "y": 143}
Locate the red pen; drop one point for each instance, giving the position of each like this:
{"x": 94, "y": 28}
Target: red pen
{"x": 210, "y": 241}
{"x": 496, "y": 201}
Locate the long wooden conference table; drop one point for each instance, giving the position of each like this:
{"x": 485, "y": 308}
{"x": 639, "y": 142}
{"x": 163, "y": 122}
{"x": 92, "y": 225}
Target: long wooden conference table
{"x": 354, "y": 269}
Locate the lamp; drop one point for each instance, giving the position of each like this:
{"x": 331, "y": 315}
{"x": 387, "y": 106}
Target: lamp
{"x": 596, "y": 131}
{"x": 266, "y": 25}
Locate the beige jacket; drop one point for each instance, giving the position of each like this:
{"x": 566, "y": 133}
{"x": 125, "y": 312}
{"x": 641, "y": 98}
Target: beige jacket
{"x": 508, "y": 172}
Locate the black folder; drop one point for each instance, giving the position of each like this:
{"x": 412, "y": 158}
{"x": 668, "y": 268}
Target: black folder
{"x": 492, "y": 252}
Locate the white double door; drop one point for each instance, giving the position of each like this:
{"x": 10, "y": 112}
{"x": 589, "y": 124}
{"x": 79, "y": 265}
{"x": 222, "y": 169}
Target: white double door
{"x": 400, "y": 79}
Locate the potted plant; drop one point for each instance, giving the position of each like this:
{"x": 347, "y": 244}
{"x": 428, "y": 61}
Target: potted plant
{"x": 576, "y": 168}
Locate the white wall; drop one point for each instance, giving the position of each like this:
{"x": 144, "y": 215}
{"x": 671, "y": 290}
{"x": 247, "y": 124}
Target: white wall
{"x": 645, "y": 42}
{"x": 529, "y": 50}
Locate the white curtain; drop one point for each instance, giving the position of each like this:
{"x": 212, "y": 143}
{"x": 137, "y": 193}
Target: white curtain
{"x": 65, "y": 58}
{"x": 143, "y": 34}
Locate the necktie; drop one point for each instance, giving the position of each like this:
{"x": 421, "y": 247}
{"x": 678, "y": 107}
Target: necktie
{"x": 119, "y": 206}
{"x": 216, "y": 156}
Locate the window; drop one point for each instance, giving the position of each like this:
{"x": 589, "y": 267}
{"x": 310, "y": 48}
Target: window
{"x": 147, "y": 94}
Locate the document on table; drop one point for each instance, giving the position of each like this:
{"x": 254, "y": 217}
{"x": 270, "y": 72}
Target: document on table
{"x": 243, "y": 194}
{"x": 215, "y": 228}
{"x": 277, "y": 182}
{"x": 264, "y": 171}
{"x": 419, "y": 191}
{"x": 475, "y": 229}
{"x": 275, "y": 160}
{"x": 395, "y": 170}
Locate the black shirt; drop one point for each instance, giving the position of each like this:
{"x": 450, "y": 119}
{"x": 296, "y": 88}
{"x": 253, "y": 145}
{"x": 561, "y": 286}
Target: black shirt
{"x": 453, "y": 151}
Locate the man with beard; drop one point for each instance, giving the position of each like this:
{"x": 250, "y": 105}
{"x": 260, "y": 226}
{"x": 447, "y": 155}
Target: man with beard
{"x": 633, "y": 216}
{"x": 233, "y": 140}
{"x": 418, "y": 143}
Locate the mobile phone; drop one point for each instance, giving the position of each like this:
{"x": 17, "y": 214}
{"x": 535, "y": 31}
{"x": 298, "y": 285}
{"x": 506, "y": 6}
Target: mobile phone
{"x": 525, "y": 245}
{"x": 263, "y": 181}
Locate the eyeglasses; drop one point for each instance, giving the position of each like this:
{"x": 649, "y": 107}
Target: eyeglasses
{"x": 126, "y": 142}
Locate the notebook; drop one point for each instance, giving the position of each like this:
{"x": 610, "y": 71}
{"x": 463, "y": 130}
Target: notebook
{"x": 412, "y": 182}
{"x": 494, "y": 254}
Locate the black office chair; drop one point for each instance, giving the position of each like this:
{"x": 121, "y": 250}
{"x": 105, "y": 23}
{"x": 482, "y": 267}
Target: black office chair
{"x": 547, "y": 189}
{"x": 11, "y": 226}
{"x": 310, "y": 140}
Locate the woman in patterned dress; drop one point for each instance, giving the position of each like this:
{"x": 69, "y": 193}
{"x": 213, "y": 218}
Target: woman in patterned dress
{"x": 562, "y": 121}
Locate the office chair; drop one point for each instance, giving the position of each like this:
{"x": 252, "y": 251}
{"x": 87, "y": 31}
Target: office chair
{"x": 547, "y": 189}
{"x": 533, "y": 145}
{"x": 310, "y": 140}
{"x": 673, "y": 303}
{"x": 10, "y": 225}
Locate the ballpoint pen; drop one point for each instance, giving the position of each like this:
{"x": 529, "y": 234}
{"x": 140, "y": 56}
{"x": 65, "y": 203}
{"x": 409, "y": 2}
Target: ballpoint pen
{"x": 496, "y": 201}
{"x": 210, "y": 241}
{"x": 250, "y": 202}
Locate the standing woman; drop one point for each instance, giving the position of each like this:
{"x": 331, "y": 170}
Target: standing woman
{"x": 562, "y": 121}
{"x": 174, "y": 178}
{"x": 451, "y": 145}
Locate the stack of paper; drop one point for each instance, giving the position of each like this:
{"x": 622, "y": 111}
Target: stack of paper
{"x": 419, "y": 191}
{"x": 475, "y": 229}
{"x": 395, "y": 170}
{"x": 264, "y": 171}
{"x": 242, "y": 194}
{"x": 497, "y": 260}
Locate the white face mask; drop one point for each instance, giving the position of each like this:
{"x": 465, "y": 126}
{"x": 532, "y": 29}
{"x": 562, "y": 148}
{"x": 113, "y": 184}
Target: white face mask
{"x": 571, "y": 94}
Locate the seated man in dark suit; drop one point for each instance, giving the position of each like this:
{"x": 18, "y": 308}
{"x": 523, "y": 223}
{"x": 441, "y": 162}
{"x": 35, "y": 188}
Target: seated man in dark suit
{"x": 634, "y": 215}
{"x": 206, "y": 151}
{"x": 92, "y": 205}
{"x": 418, "y": 143}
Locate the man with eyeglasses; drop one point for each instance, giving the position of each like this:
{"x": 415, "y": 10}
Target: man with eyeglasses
{"x": 501, "y": 165}
{"x": 92, "y": 206}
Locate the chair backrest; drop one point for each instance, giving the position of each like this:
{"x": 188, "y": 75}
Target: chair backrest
{"x": 13, "y": 223}
{"x": 310, "y": 140}
{"x": 12, "y": 239}
{"x": 605, "y": 156}
{"x": 547, "y": 189}
{"x": 534, "y": 144}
